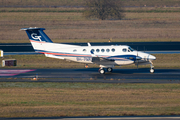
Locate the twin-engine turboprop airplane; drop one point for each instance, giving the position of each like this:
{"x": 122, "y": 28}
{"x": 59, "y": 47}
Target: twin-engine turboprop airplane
{"x": 105, "y": 56}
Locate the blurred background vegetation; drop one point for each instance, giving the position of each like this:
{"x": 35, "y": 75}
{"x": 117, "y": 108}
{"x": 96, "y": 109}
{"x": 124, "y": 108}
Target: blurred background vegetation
{"x": 104, "y": 9}
{"x": 145, "y": 20}
{"x": 80, "y": 3}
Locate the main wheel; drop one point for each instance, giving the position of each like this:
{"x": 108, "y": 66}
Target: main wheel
{"x": 102, "y": 71}
{"x": 152, "y": 70}
{"x": 109, "y": 69}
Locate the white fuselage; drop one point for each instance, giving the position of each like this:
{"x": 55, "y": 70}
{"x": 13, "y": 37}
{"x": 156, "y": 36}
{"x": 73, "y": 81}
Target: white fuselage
{"x": 105, "y": 56}
{"x": 121, "y": 54}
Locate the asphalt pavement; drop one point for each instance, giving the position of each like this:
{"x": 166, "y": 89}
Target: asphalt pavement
{"x": 91, "y": 75}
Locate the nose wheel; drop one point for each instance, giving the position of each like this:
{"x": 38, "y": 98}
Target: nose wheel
{"x": 152, "y": 70}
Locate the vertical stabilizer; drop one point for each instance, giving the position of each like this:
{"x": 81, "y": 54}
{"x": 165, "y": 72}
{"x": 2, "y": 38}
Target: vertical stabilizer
{"x": 39, "y": 40}
{"x": 37, "y": 34}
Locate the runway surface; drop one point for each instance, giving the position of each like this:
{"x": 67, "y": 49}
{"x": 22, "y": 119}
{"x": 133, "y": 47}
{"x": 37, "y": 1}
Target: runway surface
{"x": 91, "y": 75}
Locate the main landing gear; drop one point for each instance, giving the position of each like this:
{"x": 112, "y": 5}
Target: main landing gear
{"x": 102, "y": 70}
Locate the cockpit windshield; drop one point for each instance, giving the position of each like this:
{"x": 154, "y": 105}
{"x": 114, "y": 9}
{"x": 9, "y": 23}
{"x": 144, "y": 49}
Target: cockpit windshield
{"x": 131, "y": 49}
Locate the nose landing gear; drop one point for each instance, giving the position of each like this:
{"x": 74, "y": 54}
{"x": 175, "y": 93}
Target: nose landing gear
{"x": 152, "y": 67}
{"x": 152, "y": 70}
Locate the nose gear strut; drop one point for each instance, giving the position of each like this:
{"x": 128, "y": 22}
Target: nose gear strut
{"x": 152, "y": 67}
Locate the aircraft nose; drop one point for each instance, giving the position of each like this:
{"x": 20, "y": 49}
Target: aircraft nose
{"x": 151, "y": 57}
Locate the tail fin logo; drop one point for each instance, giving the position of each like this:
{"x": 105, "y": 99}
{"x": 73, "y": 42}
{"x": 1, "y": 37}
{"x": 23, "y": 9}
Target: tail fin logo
{"x": 34, "y": 36}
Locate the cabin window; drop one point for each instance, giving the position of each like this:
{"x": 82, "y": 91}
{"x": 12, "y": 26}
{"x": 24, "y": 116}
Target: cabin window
{"x": 107, "y": 50}
{"x": 84, "y": 50}
{"x": 113, "y": 50}
{"x": 74, "y": 50}
{"x": 124, "y": 50}
{"x": 97, "y": 50}
{"x": 102, "y": 50}
{"x": 92, "y": 50}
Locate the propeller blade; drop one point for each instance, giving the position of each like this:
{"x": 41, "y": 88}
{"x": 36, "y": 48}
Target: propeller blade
{"x": 137, "y": 59}
{"x": 137, "y": 64}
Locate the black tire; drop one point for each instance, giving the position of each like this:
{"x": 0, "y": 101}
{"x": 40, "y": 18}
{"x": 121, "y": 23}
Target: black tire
{"x": 102, "y": 71}
{"x": 109, "y": 69}
{"x": 152, "y": 70}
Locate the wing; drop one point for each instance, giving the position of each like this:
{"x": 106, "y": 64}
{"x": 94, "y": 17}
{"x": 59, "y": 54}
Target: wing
{"x": 101, "y": 59}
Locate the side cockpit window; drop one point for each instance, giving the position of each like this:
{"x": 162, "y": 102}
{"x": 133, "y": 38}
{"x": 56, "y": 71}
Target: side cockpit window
{"x": 130, "y": 49}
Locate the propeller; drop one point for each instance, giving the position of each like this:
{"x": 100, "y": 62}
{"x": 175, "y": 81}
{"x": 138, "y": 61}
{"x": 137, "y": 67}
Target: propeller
{"x": 137, "y": 59}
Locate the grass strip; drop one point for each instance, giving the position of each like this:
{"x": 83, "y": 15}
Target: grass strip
{"x": 56, "y": 3}
{"x": 34, "y": 99}
{"x": 81, "y": 9}
{"x": 153, "y": 11}
{"x": 60, "y": 10}
{"x": 73, "y": 27}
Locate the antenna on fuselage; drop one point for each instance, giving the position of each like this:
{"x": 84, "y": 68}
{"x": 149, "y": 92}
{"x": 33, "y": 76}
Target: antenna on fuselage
{"x": 89, "y": 44}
